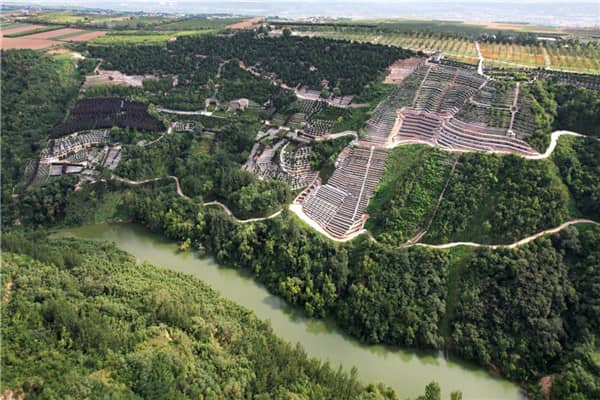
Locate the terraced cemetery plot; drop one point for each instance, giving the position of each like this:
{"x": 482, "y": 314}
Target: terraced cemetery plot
{"x": 338, "y": 206}
{"x": 73, "y": 154}
{"x": 400, "y": 69}
{"x": 455, "y": 109}
{"x": 98, "y": 113}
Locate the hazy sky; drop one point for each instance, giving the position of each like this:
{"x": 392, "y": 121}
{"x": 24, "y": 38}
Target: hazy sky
{"x": 548, "y": 12}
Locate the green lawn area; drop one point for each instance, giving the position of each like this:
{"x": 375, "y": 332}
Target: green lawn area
{"x": 143, "y": 37}
{"x": 200, "y": 23}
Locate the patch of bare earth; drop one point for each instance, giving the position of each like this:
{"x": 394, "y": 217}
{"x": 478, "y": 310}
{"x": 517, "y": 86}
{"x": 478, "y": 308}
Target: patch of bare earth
{"x": 86, "y": 36}
{"x": 22, "y": 43}
{"x": 546, "y": 384}
{"x": 59, "y": 51}
{"x": 7, "y": 289}
{"x": 19, "y": 29}
{"x": 10, "y": 395}
{"x": 106, "y": 77}
{"x": 400, "y": 69}
{"x": 247, "y": 24}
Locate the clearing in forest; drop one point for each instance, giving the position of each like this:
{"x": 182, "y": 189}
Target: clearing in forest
{"x": 247, "y": 24}
{"x": 400, "y": 69}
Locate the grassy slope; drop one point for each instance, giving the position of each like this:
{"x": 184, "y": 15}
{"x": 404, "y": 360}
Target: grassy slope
{"x": 493, "y": 189}
{"x": 485, "y": 192}
{"x": 408, "y": 192}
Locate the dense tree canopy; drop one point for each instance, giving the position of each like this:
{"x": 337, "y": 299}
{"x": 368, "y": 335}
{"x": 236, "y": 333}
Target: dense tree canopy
{"x": 107, "y": 326}
{"x": 294, "y": 60}
{"x": 522, "y": 310}
{"x": 37, "y": 91}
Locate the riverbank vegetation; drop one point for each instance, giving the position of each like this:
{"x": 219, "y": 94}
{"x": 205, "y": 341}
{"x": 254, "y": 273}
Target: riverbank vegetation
{"x": 212, "y": 175}
{"x": 108, "y": 326}
{"x": 524, "y": 313}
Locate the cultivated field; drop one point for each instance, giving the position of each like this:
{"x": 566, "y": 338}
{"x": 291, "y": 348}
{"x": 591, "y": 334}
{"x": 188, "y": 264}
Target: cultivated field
{"x": 86, "y": 36}
{"x": 44, "y": 40}
{"x": 9, "y": 30}
{"x": 576, "y": 58}
{"x": 246, "y": 24}
{"x": 139, "y": 37}
{"x": 419, "y": 42}
{"x": 23, "y": 43}
{"x": 54, "y": 34}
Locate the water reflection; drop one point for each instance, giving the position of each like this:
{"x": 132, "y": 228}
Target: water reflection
{"x": 408, "y": 372}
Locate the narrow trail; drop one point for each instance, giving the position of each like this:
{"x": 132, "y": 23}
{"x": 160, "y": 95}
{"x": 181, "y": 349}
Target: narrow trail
{"x": 480, "y": 58}
{"x": 553, "y": 142}
{"x": 207, "y": 204}
{"x": 513, "y": 109}
{"x": 364, "y": 182}
{"x": 441, "y": 198}
{"x": 296, "y": 208}
{"x": 511, "y": 245}
{"x": 547, "y": 63}
{"x": 183, "y": 112}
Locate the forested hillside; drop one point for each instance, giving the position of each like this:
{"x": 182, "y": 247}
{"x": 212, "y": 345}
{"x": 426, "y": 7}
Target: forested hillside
{"x": 83, "y": 320}
{"x": 37, "y": 91}
{"x": 525, "y": 311}
{"x": 486, "y": 198}
{"x": 499, "y": 199}
{"x": 579, "y": 163}
{"x": 294, "y": 60}
{"x": 400, "y": 296}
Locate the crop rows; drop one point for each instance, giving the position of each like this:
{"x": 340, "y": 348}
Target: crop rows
{"x": 577, "y": 58}
{"x": 419, "y": 41}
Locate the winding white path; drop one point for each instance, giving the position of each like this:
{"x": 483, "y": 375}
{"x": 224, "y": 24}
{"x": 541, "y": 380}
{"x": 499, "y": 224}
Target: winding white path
{"x": 183, "y": 112}
{"x": 207, "y": 204}
{"x": 480, "y": 59}
{"x": 512, "y": 245}
{"x": 553, "y": 142}
{"x": 297, "y": 209}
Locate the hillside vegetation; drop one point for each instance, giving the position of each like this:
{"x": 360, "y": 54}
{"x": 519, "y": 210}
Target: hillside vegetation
{"x": 84, "y": 320}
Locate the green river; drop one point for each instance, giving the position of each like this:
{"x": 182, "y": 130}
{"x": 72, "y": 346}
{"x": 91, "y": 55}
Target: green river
{"x": 408, "y": 372}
